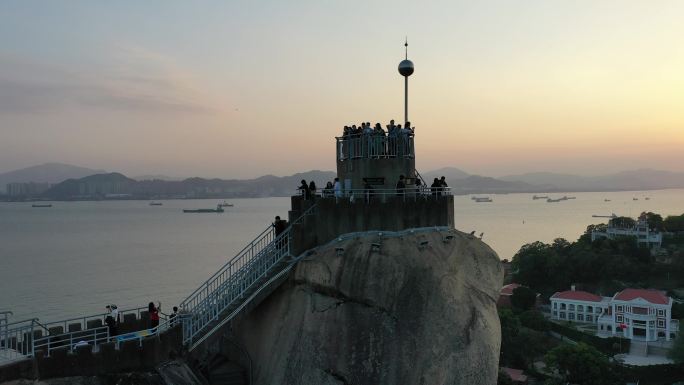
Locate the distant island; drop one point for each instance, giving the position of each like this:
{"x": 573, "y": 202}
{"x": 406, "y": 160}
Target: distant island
{"x": 55, "y": 181}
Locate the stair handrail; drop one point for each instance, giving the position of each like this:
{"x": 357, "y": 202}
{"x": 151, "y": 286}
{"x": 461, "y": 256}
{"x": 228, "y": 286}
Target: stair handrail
{"x": 233, "y": 261}
{"x": 204, "y": 306}
{"x": 227, "y": 264}
{"x": 269, "y": 231}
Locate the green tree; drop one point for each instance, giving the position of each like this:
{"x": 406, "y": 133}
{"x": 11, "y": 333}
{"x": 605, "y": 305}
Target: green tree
{"x": 655, "y": 221}
{"x": 523, "y": 298}
{"x": 534, "y": 319}
{"x": 510, "y": 330}
{"x": 531, "y": 265}
{"x": 676, "y": 354}
{"x": 581, "y": 364}
{"x": 674, "y": 223}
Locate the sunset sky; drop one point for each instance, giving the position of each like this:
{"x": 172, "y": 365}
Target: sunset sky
{"x": 242, "y": 89}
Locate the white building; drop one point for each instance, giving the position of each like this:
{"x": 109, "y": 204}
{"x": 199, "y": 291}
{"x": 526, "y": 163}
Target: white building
{"x": 641, "y": 314}
{"x": 644, "y": 236}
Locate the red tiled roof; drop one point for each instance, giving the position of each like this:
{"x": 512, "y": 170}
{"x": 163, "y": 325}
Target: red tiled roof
{"x": 515, "y": 374}
{"x": 653, "y": 296}
{"x": 508, "y": 289}
{"x": 577, "y": 295}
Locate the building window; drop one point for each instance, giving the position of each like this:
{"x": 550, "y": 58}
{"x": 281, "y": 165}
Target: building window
{"x": 661, "y": 313}
{"x": 590, "y": 318}
{"x": 590, "y": 309}
{"x": 580, "y": 308}
{"x": 555, "y": 305}
{"x": 571, "y": 307}
{"x": 555, "y": 313}
{"x": 571, "y": 316}
{"x": 618, "y": 318}
{"x": 618, "y": 308}
{"x": 562, "y": 315}
{"x": 580, "y": 317}
{"x": 661, "y": 323}
{"x": 562, "y": 306}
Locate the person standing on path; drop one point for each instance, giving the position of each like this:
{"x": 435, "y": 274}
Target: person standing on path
{"x": 153, "y": 313}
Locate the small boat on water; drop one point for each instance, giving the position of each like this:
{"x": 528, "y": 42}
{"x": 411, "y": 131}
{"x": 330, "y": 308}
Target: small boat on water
{"x": 155, "y": 203}
{"x": 218, "y": 209}
{"x": 535, "y": 197}
{"x": 635, "y": 199}
{"x": 483, "y": 199}
{"x": 550, "y": 200}
{"x": 41, "y": 205}
{"x": 647, "y": 198}
{"x": 606, "y": 200}
{"x": 225, "y": 204}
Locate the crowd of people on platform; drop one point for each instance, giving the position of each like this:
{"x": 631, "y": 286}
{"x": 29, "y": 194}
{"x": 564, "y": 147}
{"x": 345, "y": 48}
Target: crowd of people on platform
{"x": 438, "y": 187}
{"x": 393, "y": 130}
{"x": 403, "y": 186}
{"x": 374, "y": 141}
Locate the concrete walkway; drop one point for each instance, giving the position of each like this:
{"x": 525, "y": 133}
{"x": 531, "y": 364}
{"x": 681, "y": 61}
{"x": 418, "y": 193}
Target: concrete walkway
{"x": 630, "y": 359}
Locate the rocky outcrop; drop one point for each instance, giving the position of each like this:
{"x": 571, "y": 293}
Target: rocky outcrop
{"x": 410, "y": 308}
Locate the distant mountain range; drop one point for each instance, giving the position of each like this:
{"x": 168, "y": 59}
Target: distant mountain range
{"x": 643, "y": 179}
{"x": 45, "y": 173}
{"x": 84, "y": 183}
{"x": 116, "y": 186}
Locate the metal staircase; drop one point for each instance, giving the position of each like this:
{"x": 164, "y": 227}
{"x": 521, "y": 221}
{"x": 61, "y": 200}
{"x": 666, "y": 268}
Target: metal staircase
{"x": 219, "y": 299}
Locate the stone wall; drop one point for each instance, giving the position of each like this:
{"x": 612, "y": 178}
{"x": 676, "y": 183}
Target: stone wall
{"x": 336, "y": 216}
{"x": 131, "y": 355}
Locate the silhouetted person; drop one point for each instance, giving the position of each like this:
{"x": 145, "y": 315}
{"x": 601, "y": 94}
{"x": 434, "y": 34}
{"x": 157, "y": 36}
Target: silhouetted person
{"x": 279, "y": 225}
{"x": 418, "y": 185}
{"x": 434, "y": 187}
{"x": 401, "y": 186}
{"x": 172, "y": 316}
{"x": 367, "y": 191}
{"x": 328, "y": 190}
{"x": 153, "y": 313}
{"x": 337, "y": 188}
{"x": 312, "y": 189}
{"x": 443, "y": 185}
{"x": 305, "y": 190}
{"x": 110, "y": 321}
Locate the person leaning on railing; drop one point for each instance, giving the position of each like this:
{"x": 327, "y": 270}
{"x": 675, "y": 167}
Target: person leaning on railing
{"x": 443, "y": 185}
{"x": 328, "y": 190}
{"x": 401, "y": 186}
{"x": 435, "y": 187}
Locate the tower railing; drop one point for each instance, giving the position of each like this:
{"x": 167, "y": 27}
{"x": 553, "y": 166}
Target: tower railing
{"x": 375, "y": 146}
{"x": 232, "y": 284}
{"x": 409, "y": 193}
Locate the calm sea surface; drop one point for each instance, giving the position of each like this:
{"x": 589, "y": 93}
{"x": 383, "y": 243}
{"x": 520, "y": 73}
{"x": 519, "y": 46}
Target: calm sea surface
{"x": 75, "y": 257}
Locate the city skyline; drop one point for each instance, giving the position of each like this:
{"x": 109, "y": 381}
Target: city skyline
{"x": 241, "y": 90}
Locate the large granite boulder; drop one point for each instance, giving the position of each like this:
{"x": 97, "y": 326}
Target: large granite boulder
{"x": 411, "y": 308}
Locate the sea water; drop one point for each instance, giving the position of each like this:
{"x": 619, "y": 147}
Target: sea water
{"x": 75, "y": 257}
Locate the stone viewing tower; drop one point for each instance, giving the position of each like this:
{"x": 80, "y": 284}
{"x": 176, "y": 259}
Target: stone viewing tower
{"x": 379, "y": 160}
{"x": 370, "y": 163}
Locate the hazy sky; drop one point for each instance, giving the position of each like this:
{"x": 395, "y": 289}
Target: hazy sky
{"x": 240, "y": 89}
